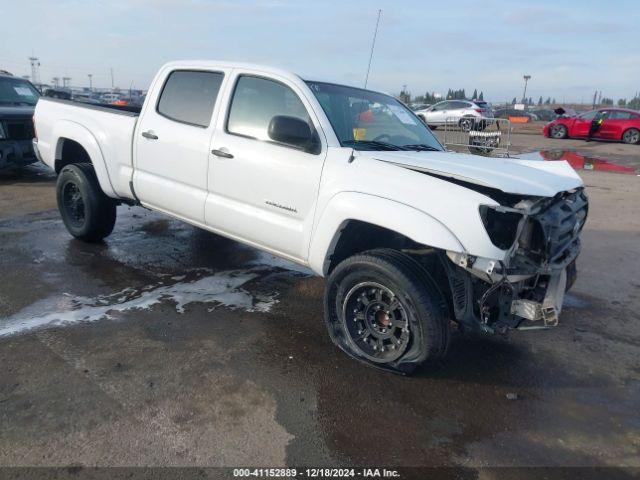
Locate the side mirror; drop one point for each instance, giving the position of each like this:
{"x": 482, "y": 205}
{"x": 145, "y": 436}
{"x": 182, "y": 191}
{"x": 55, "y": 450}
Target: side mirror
{"x": 292, "y": 131}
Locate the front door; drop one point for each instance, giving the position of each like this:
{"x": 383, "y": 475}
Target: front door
{"x": 261, "y": 191}
{"x": 582, "y": 124}
{"x": 172, "y": 144}
{"x": 439, "y": 114}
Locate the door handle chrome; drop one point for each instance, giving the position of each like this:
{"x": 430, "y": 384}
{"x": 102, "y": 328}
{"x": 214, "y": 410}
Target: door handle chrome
{"x": 221, "y": 153}
{"x": 150, "y": 135}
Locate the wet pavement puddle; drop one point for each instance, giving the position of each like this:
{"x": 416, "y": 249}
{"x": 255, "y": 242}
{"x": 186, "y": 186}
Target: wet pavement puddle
{"x": 220, "y": 289}
{"x": 579, "y": 161}
{"x": 142, "y": 268}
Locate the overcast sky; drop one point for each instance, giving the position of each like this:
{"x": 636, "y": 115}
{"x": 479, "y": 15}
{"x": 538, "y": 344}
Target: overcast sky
{"x": 570, "y": 48}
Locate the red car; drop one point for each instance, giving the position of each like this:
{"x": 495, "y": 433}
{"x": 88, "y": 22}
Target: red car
{"x": 619, "y": 124}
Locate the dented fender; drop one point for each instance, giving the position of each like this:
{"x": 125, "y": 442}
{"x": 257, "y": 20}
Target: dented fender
{"x": 401, "y": 218}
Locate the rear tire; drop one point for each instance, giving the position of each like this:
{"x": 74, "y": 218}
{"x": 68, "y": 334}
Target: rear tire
{"x": 86, "y": 211}
{"x": 631, "y": 136}
{"x": 384, "y": 309}
{"x": 466, "y": 124}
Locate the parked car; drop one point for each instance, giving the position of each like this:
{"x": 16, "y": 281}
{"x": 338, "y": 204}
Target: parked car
{"x": 346, "y": 181}
{"x": 419, "y": 106}
{"x": 87, "y": 97}
{"x": 512, "y": 112}
{"x": 54, "y": 93}
{"x": 620, "y": 124}
{"x": 465, "y": 113}
{"x": 545, "y": 114}
{"x": 18, "y": 98}
{"x": 110, "y": 97}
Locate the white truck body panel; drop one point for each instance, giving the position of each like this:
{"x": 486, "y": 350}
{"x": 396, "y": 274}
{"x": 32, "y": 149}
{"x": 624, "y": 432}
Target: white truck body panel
{"x": 280, "y": 199}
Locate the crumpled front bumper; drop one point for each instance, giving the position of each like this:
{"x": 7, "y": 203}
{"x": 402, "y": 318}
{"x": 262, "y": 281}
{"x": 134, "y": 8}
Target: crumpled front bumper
{"x": 526, "y": 289}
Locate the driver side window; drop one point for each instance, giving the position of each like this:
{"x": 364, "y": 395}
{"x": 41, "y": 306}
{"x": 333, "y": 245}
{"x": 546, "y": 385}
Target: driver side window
{"x": 589, "y": 115}
{"x": 256, "y": 101}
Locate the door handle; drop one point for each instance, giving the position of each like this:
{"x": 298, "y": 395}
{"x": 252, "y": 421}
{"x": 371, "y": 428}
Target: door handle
{"x": 150, "y": 135}
{"x": 221, "y": 153}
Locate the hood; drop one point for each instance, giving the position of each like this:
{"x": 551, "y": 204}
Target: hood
{"x": 509, "y": 175}
{"x": 19, "y": 111}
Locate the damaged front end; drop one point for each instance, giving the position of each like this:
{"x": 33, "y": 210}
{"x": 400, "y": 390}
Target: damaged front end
{"x": 525, "y": 290}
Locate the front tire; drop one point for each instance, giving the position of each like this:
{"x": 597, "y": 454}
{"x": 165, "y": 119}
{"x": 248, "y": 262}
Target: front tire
{"x": 384, "y": 309}
{"x": 86, "y": 211}
{"x": 558, "y": 132}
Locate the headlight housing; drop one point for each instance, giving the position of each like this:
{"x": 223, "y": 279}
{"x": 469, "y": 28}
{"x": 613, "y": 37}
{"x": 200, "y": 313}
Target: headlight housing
{"x": 502, "y": 227}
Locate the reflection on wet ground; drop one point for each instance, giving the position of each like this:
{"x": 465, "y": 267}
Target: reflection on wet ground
{"x": 579, "y": 161}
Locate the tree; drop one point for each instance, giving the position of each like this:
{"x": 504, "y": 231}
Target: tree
{"x": 475, "y": 94}
{"x": 554, "y": 101}
{"x": 514, "y": 101}
{"x": 530, "y": 101}
{"x": 540, "y": 100}
{"x": 622, "y": 102}
{"x": 606, "y": 101}
{"x": 481, "y": 97}
{"x": 547, "y": 101}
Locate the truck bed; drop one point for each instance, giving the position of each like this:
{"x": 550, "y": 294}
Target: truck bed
{"x": 129, "y": 110}
{"x": 105, "y": 131}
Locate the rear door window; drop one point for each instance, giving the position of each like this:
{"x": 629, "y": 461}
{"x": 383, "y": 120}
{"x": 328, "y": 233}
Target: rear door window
{"x": 620, "y": 116}
{"x": 189, "y": 96}
{"x": 458, "y": 105}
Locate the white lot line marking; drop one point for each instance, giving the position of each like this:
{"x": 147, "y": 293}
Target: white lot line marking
{"x": 223, "y": 288}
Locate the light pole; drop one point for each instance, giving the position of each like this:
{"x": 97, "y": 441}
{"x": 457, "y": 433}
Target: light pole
{"x": 524, "y": 95}
{"x": 90, "y": 75}
{"x": 35, "y": 73}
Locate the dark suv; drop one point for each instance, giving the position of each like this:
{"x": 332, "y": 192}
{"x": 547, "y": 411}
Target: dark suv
{"x": 18, "y": 98}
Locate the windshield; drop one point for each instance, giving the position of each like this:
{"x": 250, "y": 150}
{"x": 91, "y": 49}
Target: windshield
{"x": 368, "y": 120}
{"x": 16, "y": 91}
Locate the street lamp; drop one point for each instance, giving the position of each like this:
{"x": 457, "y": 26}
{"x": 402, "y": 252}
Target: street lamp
{"x": 524, "y": 95}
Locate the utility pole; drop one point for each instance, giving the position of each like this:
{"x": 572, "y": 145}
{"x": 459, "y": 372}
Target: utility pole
{"x": 90, "y": 75}
{"x": 112, "y": 85}
{"x": 35, "y": 70}
{"x": 373, "y": 44}
{"x": 66, "y": 82}
{"x": 526, "y": 80}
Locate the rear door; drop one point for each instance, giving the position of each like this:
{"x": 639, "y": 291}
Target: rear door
{"x": 261, "y": 191}
{"x": 457, "y": 109}
{"x": 615, "y": 124}
{"x": 172, "y": 143}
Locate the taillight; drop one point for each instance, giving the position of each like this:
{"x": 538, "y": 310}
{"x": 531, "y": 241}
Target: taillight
{"x": 479, "y": 110}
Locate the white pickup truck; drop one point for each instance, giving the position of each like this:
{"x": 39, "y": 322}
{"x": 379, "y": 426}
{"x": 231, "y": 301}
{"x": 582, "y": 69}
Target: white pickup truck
{"x": 346, "y": 181}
